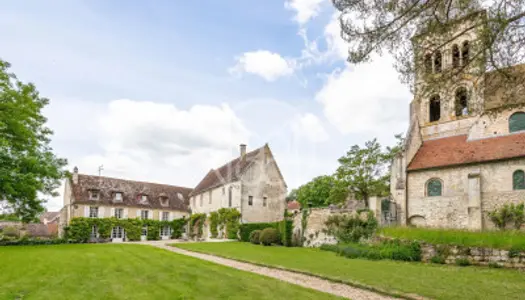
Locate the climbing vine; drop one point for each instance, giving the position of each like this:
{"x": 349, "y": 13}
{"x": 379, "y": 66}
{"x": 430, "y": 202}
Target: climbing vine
{"x": 226, "y": 219}
{"x": 197, "y": 224}
{"x": 304, "y": 223}
{"x": 80, "y": 229}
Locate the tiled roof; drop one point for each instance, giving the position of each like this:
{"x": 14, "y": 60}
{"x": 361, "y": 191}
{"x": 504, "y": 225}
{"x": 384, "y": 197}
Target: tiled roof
{"x": 131, "y": 192}
{"x": 293, "y": 205}
{"x": 456, "y": 150}
{"x": 229, "y": 172}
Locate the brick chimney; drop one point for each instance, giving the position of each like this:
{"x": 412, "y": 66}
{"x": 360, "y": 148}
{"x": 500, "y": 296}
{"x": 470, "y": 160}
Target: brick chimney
{"x": 242, "y": 148}
{"x": 75, "y": 175}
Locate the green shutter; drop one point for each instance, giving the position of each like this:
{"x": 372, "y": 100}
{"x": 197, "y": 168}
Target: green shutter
{"x": 517, "y": 122}
{"x": 434, "y": 188}
{"x": 518, "y": 180}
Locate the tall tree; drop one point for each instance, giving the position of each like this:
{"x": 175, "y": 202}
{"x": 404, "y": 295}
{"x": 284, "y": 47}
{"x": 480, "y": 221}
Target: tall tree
{"x": 364, "y": 171}
{"x": 320, "y": 191}
{"x": 393, "y": 25}
{"x": 28, "y": 168}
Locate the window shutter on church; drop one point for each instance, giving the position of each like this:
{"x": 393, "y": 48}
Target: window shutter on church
{"x": 112, "y": 212}
{"x": 101, "y": 212}
{"x": 86, "y": 211}
{"x": 125, "y": 213}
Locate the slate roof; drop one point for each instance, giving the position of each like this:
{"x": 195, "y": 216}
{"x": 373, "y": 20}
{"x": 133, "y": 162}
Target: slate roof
{"x": 178, "y": 197}
{"x": 227, "y": 173}
{"x": 457, "y": 150}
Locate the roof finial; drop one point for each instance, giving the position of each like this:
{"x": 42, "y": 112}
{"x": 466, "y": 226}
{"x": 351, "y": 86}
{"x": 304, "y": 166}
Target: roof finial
{"x": 100, "y": 169}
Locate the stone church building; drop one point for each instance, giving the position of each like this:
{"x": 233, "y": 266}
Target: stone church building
{"x": 464, "y": 153}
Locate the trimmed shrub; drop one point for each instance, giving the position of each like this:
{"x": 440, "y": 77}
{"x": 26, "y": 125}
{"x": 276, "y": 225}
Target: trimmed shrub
{"x": 30, "y": 242}
{"x": 246, "y": 229}
{"x": 285, "y": 231}
{"x": 254, "y": 237}
{"x": 269, "y": 236}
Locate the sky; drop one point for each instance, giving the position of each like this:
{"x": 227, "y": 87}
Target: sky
{"x": 163, "y": 91}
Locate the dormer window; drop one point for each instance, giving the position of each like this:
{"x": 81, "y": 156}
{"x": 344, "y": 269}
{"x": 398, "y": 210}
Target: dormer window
{"x": 117, "y": 197}
{"x": 164, "y": 201}
{"x": 143, "y": 199}
{"x": 94, "y": 195}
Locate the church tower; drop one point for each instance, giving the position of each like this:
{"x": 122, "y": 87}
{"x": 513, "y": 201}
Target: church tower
{"x": 448, "y": 90}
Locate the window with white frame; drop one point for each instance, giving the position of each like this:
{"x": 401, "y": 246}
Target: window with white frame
{"x": 165, "y": 216}
{"x": 117, "y": 197}
{"x": 117, "y": 232}
{"x": 94, "y": 231}
{"x": 143, "y": 199}
{"x": 93, "y": 212}
{"x": 144, "y": 231}
{"x": 144, "y": 214}
{"x": 119, "y": 213}
{"x": 165, "y": 231}
{"x": 94, "y": 195}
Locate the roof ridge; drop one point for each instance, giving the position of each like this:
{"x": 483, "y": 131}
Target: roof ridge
{"x": 135, "y": 181}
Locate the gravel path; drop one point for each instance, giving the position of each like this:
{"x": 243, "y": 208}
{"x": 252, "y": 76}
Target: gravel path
{"x": 311, "y": 282}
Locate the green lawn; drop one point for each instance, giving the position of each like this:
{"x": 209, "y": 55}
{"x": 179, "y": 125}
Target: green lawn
{"x": 113, "y": 271}
{"x": 489, "y": 239}
{"x": 433, "y": 281}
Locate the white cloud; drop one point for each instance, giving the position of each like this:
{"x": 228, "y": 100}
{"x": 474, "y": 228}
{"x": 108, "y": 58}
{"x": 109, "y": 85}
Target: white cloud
{"x": 367, "y": 98}
{"x": 310, "y": 127}
{"x": 266, "y": 64}
{"x": 335, "y": 44}
{"x": 305, "y": 9}
{"x": 150, "y": 141}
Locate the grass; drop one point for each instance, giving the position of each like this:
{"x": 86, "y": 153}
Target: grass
{"x": 489, "y": 239}
{"x": 432, "y": 281}
{"x": 129, "y": 272}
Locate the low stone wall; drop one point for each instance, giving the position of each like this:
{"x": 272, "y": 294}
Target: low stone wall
{"x": 475, "y": 255}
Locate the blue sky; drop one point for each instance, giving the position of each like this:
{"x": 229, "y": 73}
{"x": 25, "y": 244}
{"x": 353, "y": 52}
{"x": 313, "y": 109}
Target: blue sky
{"x": 166, "y": 90}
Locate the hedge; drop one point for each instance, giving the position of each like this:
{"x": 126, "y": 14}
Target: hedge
{"x": 246, "y": 229}
{"x": 284, "y": 227}
{"x": 26, "y": 242}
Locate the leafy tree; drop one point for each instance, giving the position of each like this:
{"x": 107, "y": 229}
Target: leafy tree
{"x": 393, "y": 25}
{"x": 364, "y": 170}
{"x": 28, "y": 168}
{"x": 321, "y": 191}
{"x": 292, "y": 195}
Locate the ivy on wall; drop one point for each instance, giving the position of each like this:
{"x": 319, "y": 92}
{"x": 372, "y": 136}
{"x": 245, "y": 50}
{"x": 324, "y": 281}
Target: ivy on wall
{"x": 225, "y": 218}
{"x": 196, "y": 225}
{"x": 79, "y": 230}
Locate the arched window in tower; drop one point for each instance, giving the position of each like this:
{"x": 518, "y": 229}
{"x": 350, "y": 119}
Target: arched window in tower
{"x": 517, "y": 122}
{"x": 435, "y": 108}
{"x": 437, "y": 62}
{"x": 461, "y": 102}
{"x": 518, "y": 180}
{"x": 465, "y": 53}
{"x": 428, "y": 63}
{"x": 455, "y": 56}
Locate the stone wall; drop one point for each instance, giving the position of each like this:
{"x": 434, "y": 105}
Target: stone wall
{"x": 475, "y": 255}
{"x": 469, "y": 192}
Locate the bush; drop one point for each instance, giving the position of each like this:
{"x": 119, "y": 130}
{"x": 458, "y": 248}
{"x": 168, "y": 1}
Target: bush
{"x": 463, "y": 262}
{"x": 11, "y": 231}
{"x": 285, "y": 231}
{"x": 269, "y": 236}
{"x": 508, "y": 214}
{"x": 393, "y": 250}
{"x": 254, "y": 237}
{"x": 438, "y": 259}
{"x": 351, "y": 228}
{"x": 246, "y": 229}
